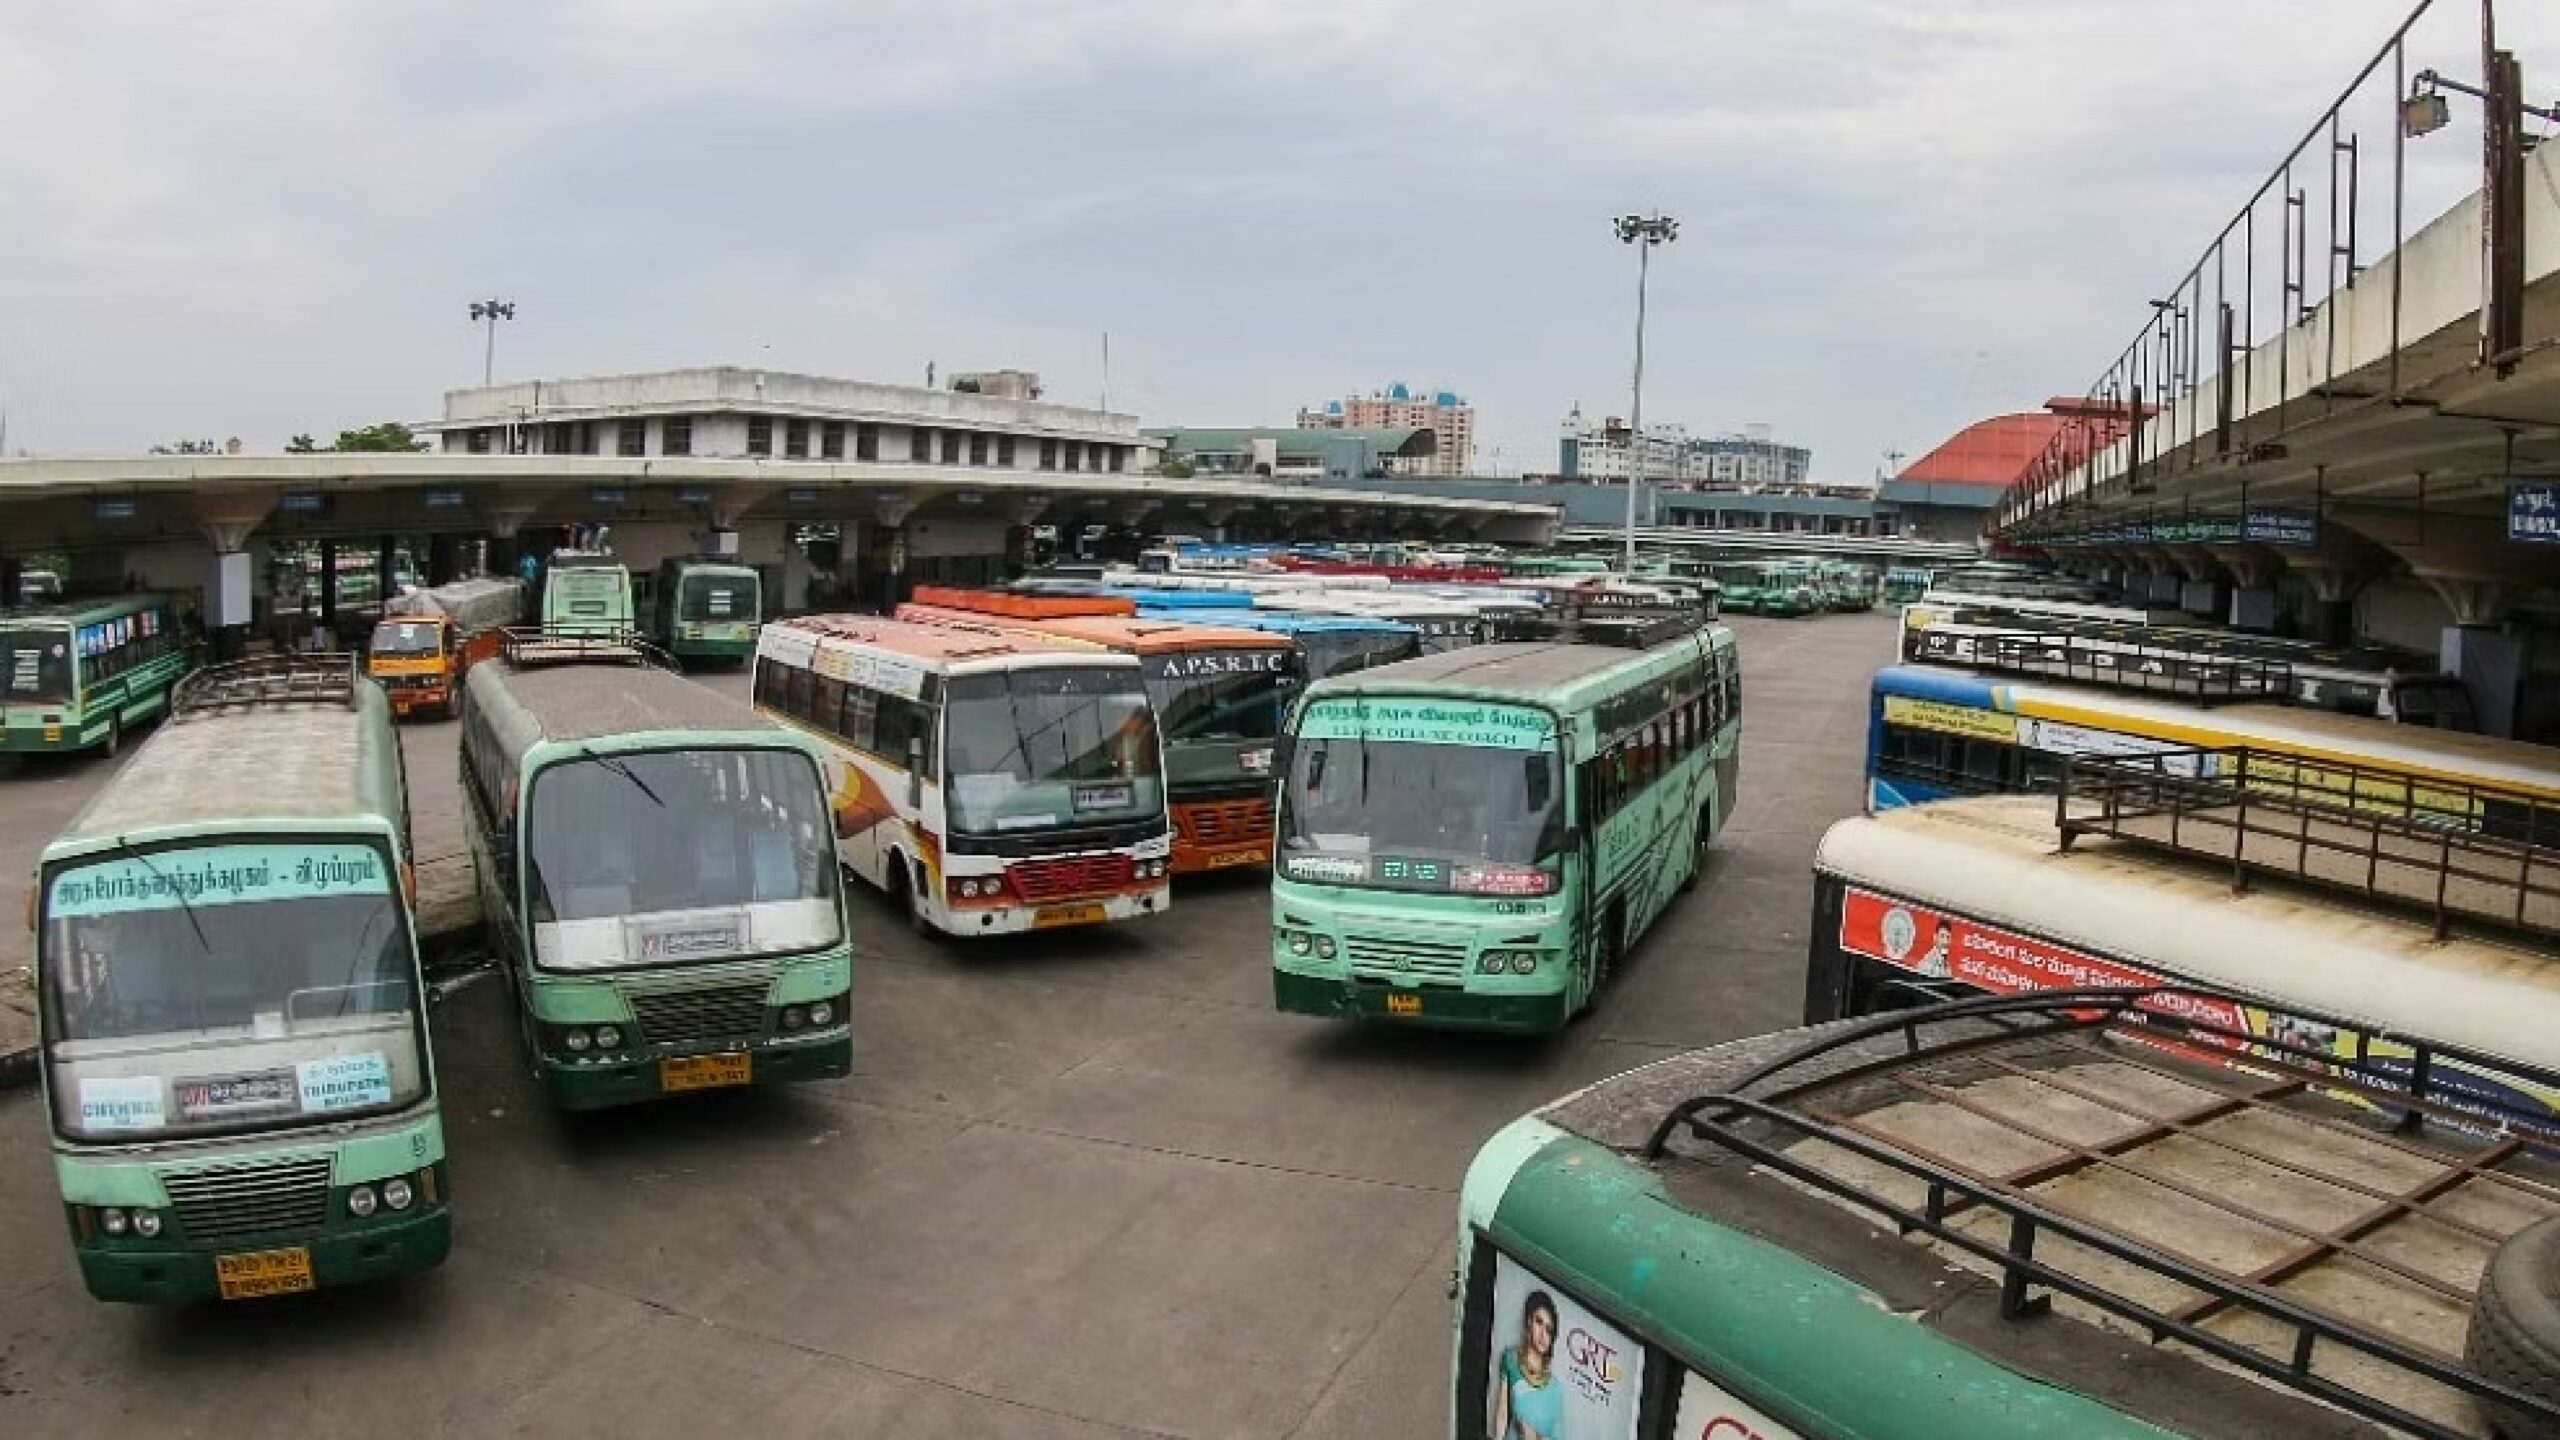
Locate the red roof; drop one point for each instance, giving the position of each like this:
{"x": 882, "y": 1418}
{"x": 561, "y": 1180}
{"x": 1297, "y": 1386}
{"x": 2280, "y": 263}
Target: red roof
{"x": 1995, "y": 452}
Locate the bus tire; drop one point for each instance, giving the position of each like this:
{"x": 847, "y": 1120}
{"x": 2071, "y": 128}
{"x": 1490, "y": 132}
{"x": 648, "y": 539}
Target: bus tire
{"x": 2514, "y": 1338}
{"x": 1705, "y": 834}
{"x": 115, "y": 737}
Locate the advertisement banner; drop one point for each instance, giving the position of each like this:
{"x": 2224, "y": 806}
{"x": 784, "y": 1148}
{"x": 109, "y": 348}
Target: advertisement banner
{"x": 1951, "y": 719}
{"x": 218, "y": 875}
{"x": 2289, "y": 529}
{"x": 1556, "y": 1370}
{"x": 1709, "y": 1412}
{"x": 2533, "y": 512}
{"x": 1430, "y": 722}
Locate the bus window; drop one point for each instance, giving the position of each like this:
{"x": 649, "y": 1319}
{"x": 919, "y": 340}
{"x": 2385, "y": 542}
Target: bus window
{"x": 35, "y": 666}
{"x": 826, "y": 703}
{"x": 1045, "y": 749}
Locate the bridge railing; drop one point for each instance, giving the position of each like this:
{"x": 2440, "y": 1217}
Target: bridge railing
{"x": 2193, "y": 386}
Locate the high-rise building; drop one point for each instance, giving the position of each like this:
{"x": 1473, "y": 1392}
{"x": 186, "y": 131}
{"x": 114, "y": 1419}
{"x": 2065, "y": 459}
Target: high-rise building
{"x": 1753, "y": 460}
{"x": 1446, "y": 414}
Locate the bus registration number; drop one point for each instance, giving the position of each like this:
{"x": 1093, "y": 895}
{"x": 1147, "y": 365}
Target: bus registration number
{"x": 1225, "y": 858}
{"x": 705, "y": 1072}
{"x": 1402, "y": 1003}
{"x": 1050, "y": 916}
{"x": 260, "y": 1273}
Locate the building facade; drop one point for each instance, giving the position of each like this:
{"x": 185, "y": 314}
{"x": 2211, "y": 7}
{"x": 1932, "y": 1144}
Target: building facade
{"x": 1446, "y": 414}
{"x": 1599, "y": 450}
{"x": 993, "y": 420}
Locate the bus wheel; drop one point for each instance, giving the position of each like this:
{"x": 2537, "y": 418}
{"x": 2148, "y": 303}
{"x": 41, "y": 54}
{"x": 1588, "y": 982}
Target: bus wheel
{"x": 1604, "y": 958}
{"x": 115, "y": 737}
{"x": 1704, "y": 836}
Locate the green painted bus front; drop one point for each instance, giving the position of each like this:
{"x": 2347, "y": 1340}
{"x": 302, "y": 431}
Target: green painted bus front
{"x": 1641, "y": 756}
{"x": 1709, "y": 1320}
{"x": 81, "y": 676}
{"x": 785, "y": 1014}
{"x": 586, "y": 595}
{"x": 303, "y": 1144}
{"x": 707, "y": 610}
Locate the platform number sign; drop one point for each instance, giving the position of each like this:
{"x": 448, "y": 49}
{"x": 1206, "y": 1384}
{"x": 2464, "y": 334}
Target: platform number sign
{"x": 2533, "y": 512}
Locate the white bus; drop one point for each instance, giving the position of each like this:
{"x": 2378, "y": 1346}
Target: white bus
{"x": 991, "y": 783}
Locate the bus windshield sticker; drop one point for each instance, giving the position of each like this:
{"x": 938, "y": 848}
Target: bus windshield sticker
{"x": 121, "y": 1102}
{"x": 1709, "y": 1412}
{"x": 1327, "y": 869}
{"x": 694, "y": 938}
{"x": 1118, "y": 796}
{"x": 233, "y": 1096}
{"x": 1554, "y": 1368}
{"x": 218, "y": 875}
{"x": 871, "y": 672}
{"x": 1430, "y": 722}
{"x": 344, "y": 1082}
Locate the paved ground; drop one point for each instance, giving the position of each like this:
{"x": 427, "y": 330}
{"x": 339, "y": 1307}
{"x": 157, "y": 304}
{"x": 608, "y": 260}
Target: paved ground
{"x": 1083, "y": 1187}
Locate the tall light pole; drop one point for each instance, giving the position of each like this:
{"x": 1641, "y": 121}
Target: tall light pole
{"x": 491, "y": 312}
{"x": 1643, "y": 232}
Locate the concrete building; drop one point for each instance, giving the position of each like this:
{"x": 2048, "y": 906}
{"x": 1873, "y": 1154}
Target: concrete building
{"x": 1284, "y": 454}
{"x": 993, "y": 420}
{"x": 1446, "y": 414}
{"x": 1590, "y": 504}
{"x": 1753, "y": 459}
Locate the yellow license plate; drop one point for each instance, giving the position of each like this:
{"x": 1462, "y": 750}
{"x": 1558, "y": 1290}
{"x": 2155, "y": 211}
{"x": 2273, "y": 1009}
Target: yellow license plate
{"x": 1400, "y": 1004}
{"x": 1225, "y": 858}
{"x": 706, "y": 1072}
{"x": 260, "y": 1273}
{"x": 1051, "y": 916}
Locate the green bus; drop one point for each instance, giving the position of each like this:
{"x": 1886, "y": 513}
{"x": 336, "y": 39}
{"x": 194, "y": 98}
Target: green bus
{"x": 235, "y": 1057}
{"x": 1474, "y": 838}
{"x": 1847, "y": 587}
{"x": 586, "y": 593}
{"x": 2079, "y": 1214}
{"x": 705, "y": 609}
{"x": 1767, "y": 587}
{"x": 1904, "y": 584}
{"x": 78, "y": 676}
{"x": 657, "y": 866}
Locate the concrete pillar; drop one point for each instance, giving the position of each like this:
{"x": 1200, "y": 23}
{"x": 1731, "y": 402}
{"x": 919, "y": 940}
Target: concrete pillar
{"x": 329, "y": 584}
{"x": 721, "y": 542}
{"x": 2161, "y": 587}
{"x": 230, "y": 602}
{"x": 2492, "y": 664}
{"x": 2253, "y": 607}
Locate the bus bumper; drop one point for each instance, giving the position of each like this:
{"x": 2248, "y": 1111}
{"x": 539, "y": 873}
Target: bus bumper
{"x": 349, "y": 1255}
{"x": 630, "y": 1082}
{"x": 1432, "y": 1006}
{"x": 49, "y": 739}
{"x": 724, "y": 652}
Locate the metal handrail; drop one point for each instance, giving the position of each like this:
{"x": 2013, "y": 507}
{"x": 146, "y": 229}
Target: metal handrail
{"x": 298, "y": 678}
{"x": 1761, "y": 1127}
{"x": 2450, "y": 847}
{"x": 2122, "y": 664}
{"x": 530, "y": 646}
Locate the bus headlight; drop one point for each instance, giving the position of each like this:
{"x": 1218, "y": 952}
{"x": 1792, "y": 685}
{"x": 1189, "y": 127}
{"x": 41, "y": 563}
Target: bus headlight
{"x": 146, "y": 1223}
{"x": 1301, "y": 943}
{"x": 1523, "y": 961}
{"x": 111, "y": 1220}
{"x": 361, "y": 1201}
{"x": 1493, "y": 962}
{"x": 821, "y": 1013}
{"x": 1324, "y": 947}
{"x": 577, "y": 1040}
{"x": 608, "y": 1037}
{"x": 397, "y": 1192}
{"x": 794, "y": 1017}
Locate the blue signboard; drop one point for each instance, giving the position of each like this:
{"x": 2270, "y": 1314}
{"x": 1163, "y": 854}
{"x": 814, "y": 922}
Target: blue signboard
{"x": 115, "y": 509}
{"x": 306, "y": 502}
{"x": 2288, "y": 528}
{"x": 2533, "y": 511}
{"x": 800, "y": 497}
{"x": 604, "y": 496}
{"x": 443, "y": 499}
{"x": 693, "y": 497}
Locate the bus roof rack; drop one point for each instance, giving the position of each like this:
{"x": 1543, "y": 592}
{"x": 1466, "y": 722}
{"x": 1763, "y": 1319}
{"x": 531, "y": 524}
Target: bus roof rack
{"x": 2447, "y": 847}
{"x": 1628, "y": 627}
{"x": 527, "y": 646}
{"x": 290, "y": 678}
{"x": 2188, "y": 672}
{"x": 1797, "y": 1117}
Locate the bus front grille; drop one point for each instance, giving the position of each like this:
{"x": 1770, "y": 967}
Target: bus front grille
{"x": 1242, "y": 820}
{"x": 682, "y": 1017}
{"x": 1391, "y": 957}
{"x": 1070, "y": 875}
{"x": 251, "y": 1199}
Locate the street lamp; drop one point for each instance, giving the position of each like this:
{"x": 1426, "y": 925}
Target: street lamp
{"x": 491, "y": 312}
{"x": 1643, "y": 232}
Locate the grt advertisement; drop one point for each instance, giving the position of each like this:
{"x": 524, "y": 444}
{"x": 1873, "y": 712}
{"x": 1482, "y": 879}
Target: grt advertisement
{"x": 1556, "y": 1371}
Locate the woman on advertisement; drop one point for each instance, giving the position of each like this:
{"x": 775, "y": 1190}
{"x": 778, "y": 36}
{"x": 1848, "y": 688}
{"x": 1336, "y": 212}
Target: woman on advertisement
{"x": 1528, "y": 1403}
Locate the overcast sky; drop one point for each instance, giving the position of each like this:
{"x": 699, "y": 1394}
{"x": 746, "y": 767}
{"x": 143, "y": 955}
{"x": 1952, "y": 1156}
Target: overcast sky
{"x": 253, "y": 219}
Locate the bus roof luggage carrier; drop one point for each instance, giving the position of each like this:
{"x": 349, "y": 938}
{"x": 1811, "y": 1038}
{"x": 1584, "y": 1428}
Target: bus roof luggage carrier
{"x": 2329, "y": 1225}
{"x": 2138, "y": 662}
{"x": 2453, "y": 849}
{"x": 528, "y": 646}
{"x": 293, "y": 678}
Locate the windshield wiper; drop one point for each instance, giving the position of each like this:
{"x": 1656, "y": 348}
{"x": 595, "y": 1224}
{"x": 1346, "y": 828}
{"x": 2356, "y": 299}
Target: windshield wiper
{"x": 622, "y": 767}
{"x": 184, "y": 907}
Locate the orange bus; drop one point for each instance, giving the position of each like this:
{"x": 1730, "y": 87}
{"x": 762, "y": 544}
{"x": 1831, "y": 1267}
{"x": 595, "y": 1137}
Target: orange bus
{"x": 1219, "y": 695}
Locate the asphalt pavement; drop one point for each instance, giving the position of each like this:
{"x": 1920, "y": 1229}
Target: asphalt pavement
{"x": 1083, "y": 1185}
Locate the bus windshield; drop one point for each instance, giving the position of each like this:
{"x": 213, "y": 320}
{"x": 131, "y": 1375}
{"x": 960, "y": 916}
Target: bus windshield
{"x": 227, "y": 987}
{"x": 663, "y": 857}
{"x": 717, "y": 597}
{"x": 406, "y": 637}
{"x": 35, "y": 666}
{"x": 1338, "y": 652}
{"x": 1220, "y": 710}
{"x": 1044, "y": 749}
{"x": 1370, "y": 801}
